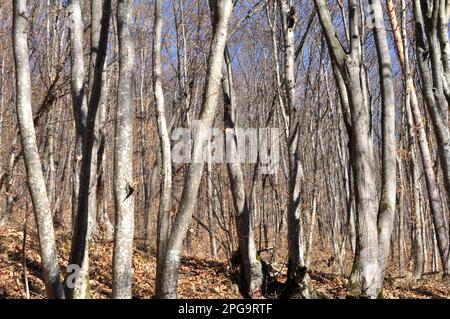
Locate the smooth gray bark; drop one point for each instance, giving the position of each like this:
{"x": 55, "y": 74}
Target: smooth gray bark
{"x": 124, "y": 184}
{"x": 251, "y": 272}
{"x": 222, "y": 13}
{"x": 79, "y": 249}
{"x": 33, "y": 166}
{"x": 347, "y": 69}
{"x": 431, "y": 72}
{"x": 79, "y": 104}
{"x": 296, "y": 260}
{"x": 166, "y": 158}
{"x": 79, "y": 100}
{"x": 386, "y": 210}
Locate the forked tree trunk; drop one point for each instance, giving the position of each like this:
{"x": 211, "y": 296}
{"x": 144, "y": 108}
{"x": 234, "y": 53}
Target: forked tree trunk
{"x": 250, "y": 267}
{"x": 79, "y": 249}
{"x": 347, "y": 70}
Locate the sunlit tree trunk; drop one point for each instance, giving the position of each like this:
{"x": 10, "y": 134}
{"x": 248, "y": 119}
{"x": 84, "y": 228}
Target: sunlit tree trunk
{"x": 347, "y": 69}
{"x": 166, "y": 158}
{"x": 79, "y": 249}
{"x": 33, "y": 166}
{"x": 296, "y": 263}
{"x": 386, "y": 211}
{"x": 124, "y": 185}
{"x": 251, "y": 272}
{"x": 222, "y": 13}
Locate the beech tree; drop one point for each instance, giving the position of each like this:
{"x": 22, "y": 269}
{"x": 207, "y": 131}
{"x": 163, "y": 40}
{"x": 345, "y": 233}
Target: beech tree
{"x": 166, "y": 171}
{"x": 433, "y": 61}
{"x": 347, "y": 71}
{"x": 222, "y": 13}
{"x": 81, "y": 230}
{"x": 33, "y": 166}
{"x": 360, "y": 189}
{"x": 124, "y": 182}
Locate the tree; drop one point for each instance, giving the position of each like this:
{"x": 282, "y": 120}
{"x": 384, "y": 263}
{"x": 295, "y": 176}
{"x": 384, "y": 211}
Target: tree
{"x": 124, "y": 184}
{"x": 418, "y": 135}
{"x": 79, "y": 249}
{"x": 296, "y": 264}
{"x": 386, "y": 210}
{"x": 347, "y": 70}
{"x": 251, "y": 271}
{"x": 222, "y": 13}
{"x": 431, "y": 61}
{"x": 166, "y": 171}
{"x": 33, "y": 166}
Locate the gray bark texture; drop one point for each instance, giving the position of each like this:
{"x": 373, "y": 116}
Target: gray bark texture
{"x": 429, "y": 59}
{"x": 124, "y": 185}
{"x": 222, "y": 13}
{"x": 79, "y": 249}
{"x": 347, "y": 68}
{"x": 386, "y": 210}
{"x": 251, "y": 271}
{"x": 297, "y": 274}
{"x": 164, "y": 140}
{"x": 35, "y": 178}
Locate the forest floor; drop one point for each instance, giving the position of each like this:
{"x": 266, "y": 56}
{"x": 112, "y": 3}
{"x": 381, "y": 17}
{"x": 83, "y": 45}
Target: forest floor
{"x": 199, "y": 278}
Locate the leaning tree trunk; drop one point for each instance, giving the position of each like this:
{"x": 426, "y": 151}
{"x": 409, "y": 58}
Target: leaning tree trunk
{"x": 222, "y": 13}
{"x": 33, "y": 166}
{"x": 124, "y": 185}
{"x": 431, "y": 72}
{"x": 164, "y": 140}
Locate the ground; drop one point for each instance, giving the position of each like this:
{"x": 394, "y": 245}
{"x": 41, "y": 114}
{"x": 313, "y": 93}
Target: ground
{"x": 199, "y": 278}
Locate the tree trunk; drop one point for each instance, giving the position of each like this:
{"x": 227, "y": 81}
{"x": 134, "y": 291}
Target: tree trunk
{"x": 166, "y": 158}
{"x": 347, "y": 69}
{"x": 211, "y": 215}
{"x": 222, "y": 13}
{"x": 79, "y": 249}
{"x": 33, "y": 166}
{"x": 431, "y": 71}
{"x": 297, "y": 276}
{"x": 124, "y": 185}
{"x": 251, "y": 272}
{"x": 386, "y": 211}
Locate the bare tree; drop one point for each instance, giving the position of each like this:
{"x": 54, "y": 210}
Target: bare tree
{"x": 222, "y": 13}
{"x": 166, "y": 158}
{"x": 79, "y": 249}
{"x": 33, "y": 166}
{"x": 124, "y": 184}
{"x": 418, "y": 135}
{"x": 251, "y": 271}
{"x": 430, "y": 61}
{"x": 386, "y": 211}
{"x": 297, "y": 275}
{"x": 347, "y": 71}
